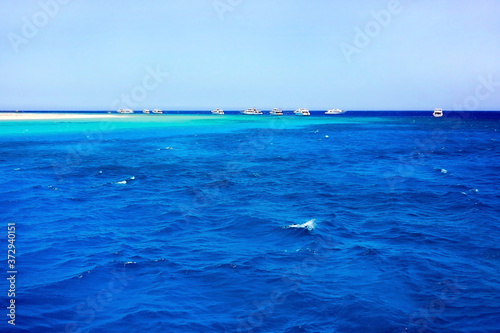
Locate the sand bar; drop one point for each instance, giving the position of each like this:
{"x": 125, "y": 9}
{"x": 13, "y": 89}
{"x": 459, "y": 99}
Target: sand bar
{"x": 48, "y": 116}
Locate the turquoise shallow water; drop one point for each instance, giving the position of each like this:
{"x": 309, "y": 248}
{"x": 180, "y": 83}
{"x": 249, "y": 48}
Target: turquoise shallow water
{"x": 138, "y": 122}
{"x": 192, "y": 223}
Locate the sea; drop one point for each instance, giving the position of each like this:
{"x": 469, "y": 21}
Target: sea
{"x": 191, "y": 222}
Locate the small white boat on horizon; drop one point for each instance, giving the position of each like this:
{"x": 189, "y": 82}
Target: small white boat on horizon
{"x": 438, "y": 112}
{"x": 157, "y": 111}
{"x": 302, "y": 112}
{"x": 276, "y": 112}
{"x": 252, "y": 111}
{"x": 218, "y": 111}
{"x": 145, "y": 111}
{"x": 125, "y": 111}
{"x": 334, "y": 111}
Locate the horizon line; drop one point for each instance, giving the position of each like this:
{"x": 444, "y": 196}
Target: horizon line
{"x": 239, "y": 109}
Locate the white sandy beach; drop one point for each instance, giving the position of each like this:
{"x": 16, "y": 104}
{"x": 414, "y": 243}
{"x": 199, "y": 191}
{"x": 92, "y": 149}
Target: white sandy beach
{"x": 48, "y": 116}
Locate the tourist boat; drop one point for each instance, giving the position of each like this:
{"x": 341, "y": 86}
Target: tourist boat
{"x": 251, "y": 111}
{"x": 276, "y": 112}
{"x": 438, "y": 113}
{"x": 334, "y": 111}
{"x": 145, "y": 111}
{"x": 302, "y": 112}
{"x": 217, "y": 111}
{"x": 157, "y": 111}
{"x": 125, "y": 111}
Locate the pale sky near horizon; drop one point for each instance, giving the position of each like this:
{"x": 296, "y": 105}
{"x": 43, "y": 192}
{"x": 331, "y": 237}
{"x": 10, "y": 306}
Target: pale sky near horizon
{"x": 235, "y": 54}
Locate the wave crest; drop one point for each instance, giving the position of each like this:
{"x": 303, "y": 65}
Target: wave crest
{"x": 309, "y": 225}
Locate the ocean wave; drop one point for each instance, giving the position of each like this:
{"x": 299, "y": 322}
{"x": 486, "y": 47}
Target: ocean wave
{"x": 126, "y": 181}
{"x": 309, "y": 225}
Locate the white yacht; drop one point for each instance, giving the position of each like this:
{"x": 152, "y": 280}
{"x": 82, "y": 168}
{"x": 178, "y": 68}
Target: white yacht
{"x": 125, "y": 111}
{"x": 334, "y": 111}
{"x": 251, "y": 111}
{"x": 157, "y": 111}
{"x": 302, "y": 112}
{"x": 217, "y": 111}
{"x": 276, "y": 112}
{"x": 145, "y": 111}
{"x": 437, "y": 112}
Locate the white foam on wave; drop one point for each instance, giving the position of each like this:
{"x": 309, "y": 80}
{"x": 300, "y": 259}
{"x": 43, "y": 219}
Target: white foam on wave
{"x": 309, "y": 225}
{"x": 123, "y": 182}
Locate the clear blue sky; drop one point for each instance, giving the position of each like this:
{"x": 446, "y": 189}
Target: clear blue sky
{"x": 234, "y": 54}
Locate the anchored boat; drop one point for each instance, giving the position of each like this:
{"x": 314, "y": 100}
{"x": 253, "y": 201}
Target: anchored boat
{"x": 125, "y": 111}
{"x": 302, "y": 112}
{"x": 251, "y": 111}
{"x": 276, "y": 112}
{"x": 217, "y": 111}
{"x": 438, "y": 112}
{"x": 334, "y": 111}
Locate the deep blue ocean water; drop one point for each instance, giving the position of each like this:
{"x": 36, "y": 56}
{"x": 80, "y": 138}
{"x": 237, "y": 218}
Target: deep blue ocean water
{"x": 196, "y": 223}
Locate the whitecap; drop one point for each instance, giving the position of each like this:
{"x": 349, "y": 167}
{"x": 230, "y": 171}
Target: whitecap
{"x": 444, "y": 171}
{"x": 309, "y": 225}
{"x": 125, "y": 181}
